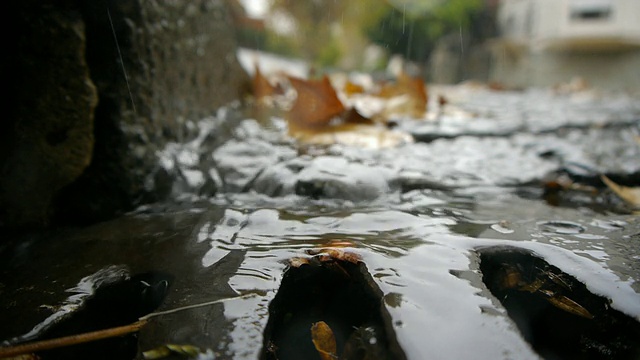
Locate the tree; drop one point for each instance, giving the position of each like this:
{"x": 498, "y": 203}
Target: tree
{"x": 414, "y": 34}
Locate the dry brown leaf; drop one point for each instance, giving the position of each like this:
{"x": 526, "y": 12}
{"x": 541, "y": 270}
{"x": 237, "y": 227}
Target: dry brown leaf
{"x": 564, "y": 303}
{"x": 415, "y": 87}
{"x": 336, "y": 254}
{"x": 414, "y": 91}
{"x": 351, "y": 88}
{"x": 316, "y": 104}
{"x": 629, "y": 194}
{"x": 296, "y": 262}
{"x": 324, "y": 340}
{"x": 352, "y": 116}
{"x": 261, "y": 86}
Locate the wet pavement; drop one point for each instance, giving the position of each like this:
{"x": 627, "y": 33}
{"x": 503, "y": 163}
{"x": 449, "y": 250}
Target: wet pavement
{"x": 247, "y": 198}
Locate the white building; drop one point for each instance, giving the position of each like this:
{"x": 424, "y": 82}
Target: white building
{"x": 547, "y": 41}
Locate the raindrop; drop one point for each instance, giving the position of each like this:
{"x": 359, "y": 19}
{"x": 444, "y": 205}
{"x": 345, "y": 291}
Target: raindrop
{"x": 503, "y": 227}
{"x": 461, "y": 41}
{"x": 561, "y": 227}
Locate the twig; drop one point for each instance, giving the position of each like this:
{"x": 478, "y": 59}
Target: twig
{"x": 36, "y": 346}
{"x": 188, "y": 307}
{"x": 70, "y": 340}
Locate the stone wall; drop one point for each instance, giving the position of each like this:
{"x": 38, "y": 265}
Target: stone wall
{"x": 96, "y": 88}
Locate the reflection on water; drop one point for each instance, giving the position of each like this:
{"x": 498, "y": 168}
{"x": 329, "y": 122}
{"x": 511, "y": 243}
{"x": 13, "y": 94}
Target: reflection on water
{"x": 417, "y": 214}
{"x": 413, "y": 256}
{"x": 428, "y": 211}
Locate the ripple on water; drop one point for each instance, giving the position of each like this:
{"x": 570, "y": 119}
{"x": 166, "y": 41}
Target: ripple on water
{"x": 561, "y": 227}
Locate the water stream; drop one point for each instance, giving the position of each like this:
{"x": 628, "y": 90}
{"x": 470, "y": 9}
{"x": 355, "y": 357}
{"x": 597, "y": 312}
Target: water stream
{"x": 418, "y": 214}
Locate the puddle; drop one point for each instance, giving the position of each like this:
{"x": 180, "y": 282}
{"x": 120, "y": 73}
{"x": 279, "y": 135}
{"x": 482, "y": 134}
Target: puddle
{"x": 417, "y": 214}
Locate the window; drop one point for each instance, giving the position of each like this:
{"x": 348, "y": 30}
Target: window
{"x": 590, "y": 9}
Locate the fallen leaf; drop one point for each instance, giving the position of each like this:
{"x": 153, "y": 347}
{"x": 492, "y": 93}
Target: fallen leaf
{"x": 316, "y": 103}
{"x": 336, "y": 254}
{"x": 564, "y": 303}
{"x": 351, "y": 88}
{"x": 169, "y": 349}
{"x": 352, "y": 116}
{"x": 296, "y": 262}
{"x": 442, "y": 101}
{"x": 629, "y": 194}
{"x": 262, "y": 88}
{"x": 412, "y": 93}
{"x": 324, "y": 340}
{"x": 511, "y": 278}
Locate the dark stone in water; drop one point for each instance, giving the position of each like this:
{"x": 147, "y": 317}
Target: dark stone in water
{"x": 343, "y": 295}
{"x": 115, "y": 304}
{"x": 535, "y": 295}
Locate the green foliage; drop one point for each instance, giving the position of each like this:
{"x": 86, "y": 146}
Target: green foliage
{"x": 410, "y": 33}
{"x": 281, "y": 45}
{"x": 251, "y": 38}
{"x": 415, "y": 35}
{"x": 329, "y": 54}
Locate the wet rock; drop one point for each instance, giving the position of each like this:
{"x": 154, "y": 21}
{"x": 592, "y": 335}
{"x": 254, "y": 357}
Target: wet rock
{"x": 556, "y": 313}
{"x": 478, "y": 111}
{"x": 180, "y": 63}
{"x": 47, "y": 139}
{"x": 240, "y": 162}
{"x": 337, "y": 291}
{"x": 154, "y": 65}
{"x": 328, "y": 177}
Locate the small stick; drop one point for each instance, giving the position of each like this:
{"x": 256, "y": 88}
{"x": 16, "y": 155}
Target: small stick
{"x": 36, "y": 346}
{"x": 70, "y": 340}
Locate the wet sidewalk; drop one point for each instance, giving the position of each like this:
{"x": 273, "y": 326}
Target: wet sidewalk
{"x": 493, "y": 187}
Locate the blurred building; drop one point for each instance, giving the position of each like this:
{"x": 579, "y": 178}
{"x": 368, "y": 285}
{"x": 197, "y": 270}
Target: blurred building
{"x": 543, "y": 42}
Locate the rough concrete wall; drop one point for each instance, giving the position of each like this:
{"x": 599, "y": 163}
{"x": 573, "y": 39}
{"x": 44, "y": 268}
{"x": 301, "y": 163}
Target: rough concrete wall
{"x": 47, "y": 132}
{"x": 180, "y": 64}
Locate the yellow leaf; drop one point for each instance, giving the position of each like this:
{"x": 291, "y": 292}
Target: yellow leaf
{"x": 351, "y": 88}
{"x": 564, "y": 303}
{"x": 324, "y": 340}
{"x": 164, "y": 351}
{"x": 629, "y": 194}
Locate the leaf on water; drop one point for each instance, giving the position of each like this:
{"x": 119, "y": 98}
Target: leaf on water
{"x": 564, "y": 303}
{"x": 411, "y": 94}
{"x": 336, "y": 254}
{"x": 352, "y": 116}
{"x": 324, "y": 340}
{"x": 316, "y": 104}
{"x": 533, "y": 286}
{"x": 351, "y": 88}
{"x": 170, "y": 349}
{"x": 629, "y": 194}
{"x": 262, "y": 88}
